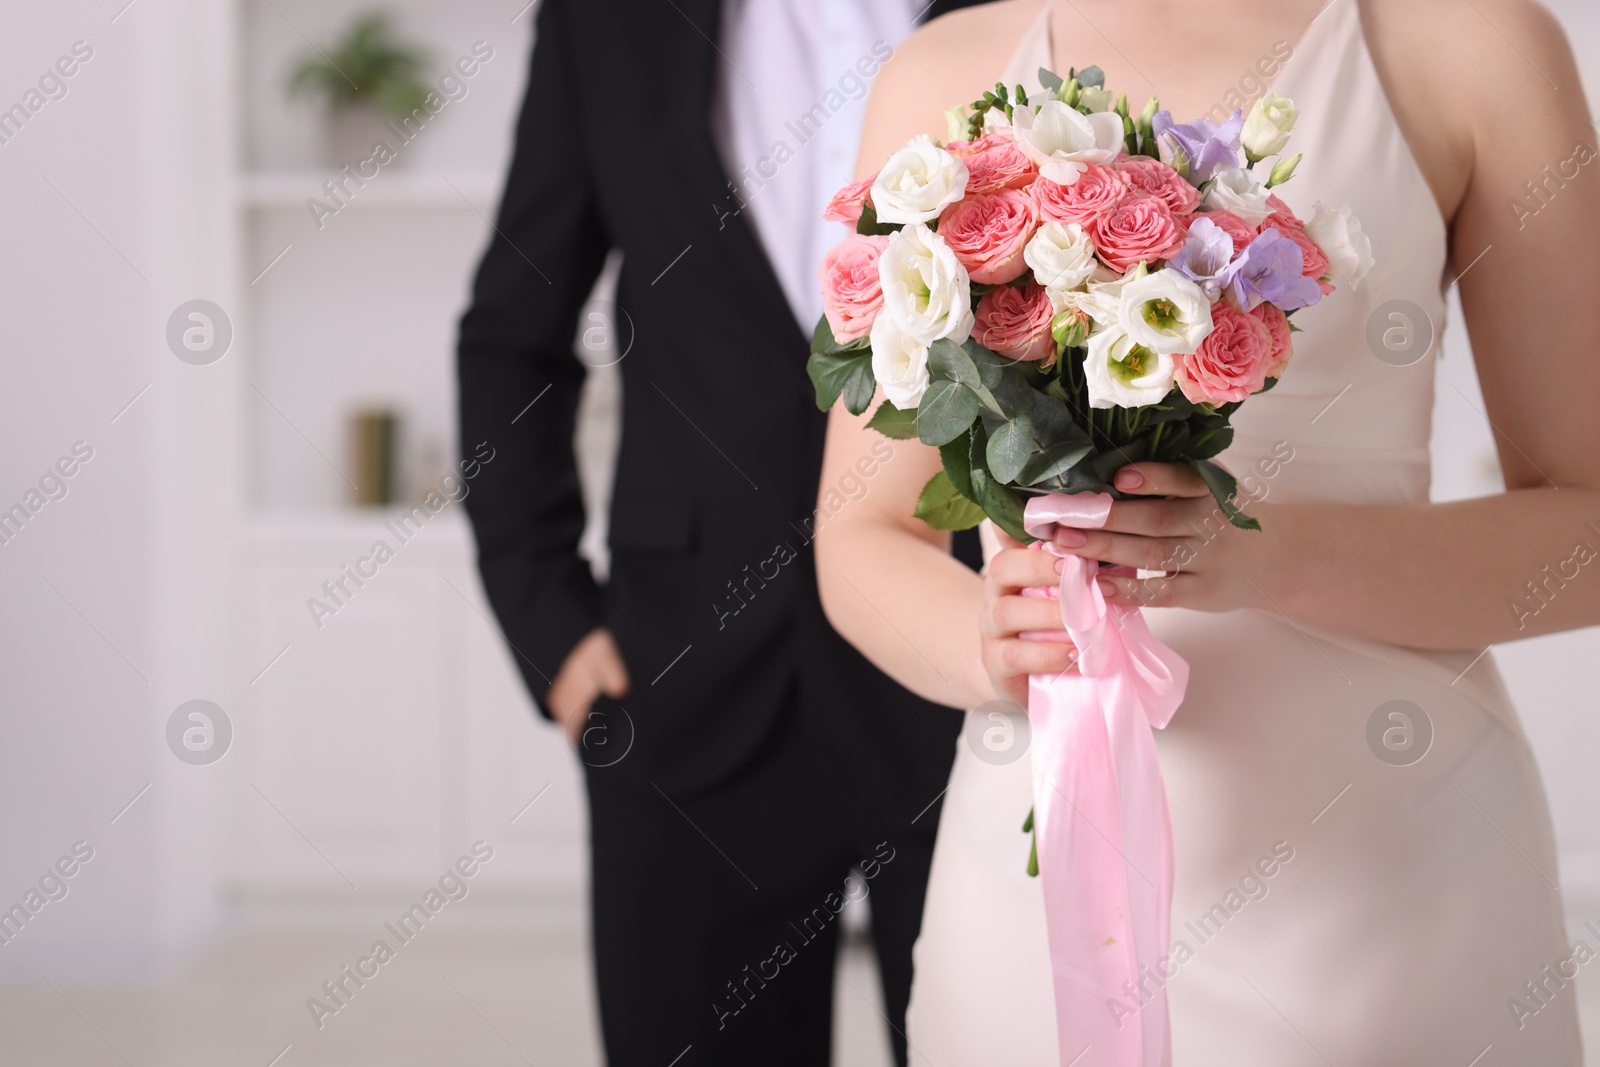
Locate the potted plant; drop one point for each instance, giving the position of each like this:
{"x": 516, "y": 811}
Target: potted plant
{"x": 365, "y": 79}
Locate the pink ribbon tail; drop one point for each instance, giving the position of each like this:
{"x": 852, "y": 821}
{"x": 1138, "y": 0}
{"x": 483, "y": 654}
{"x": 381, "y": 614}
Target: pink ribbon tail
{"x": 1100, "y": 811}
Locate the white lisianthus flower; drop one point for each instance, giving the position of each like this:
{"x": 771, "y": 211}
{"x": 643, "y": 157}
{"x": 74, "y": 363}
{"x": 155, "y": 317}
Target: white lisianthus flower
{"x": 1120, "y": 372}
{"x": 1102, "y": 301}
{"x": 899, "y": 363}
{"x": 918, "y": 182}
{"x": 1267, "y": 130}
{"x": 925, "y": 289}
{"x": 1236, "y": 190}
{"x": 1338, "y": 234}
{"x": 1061, "y": 139}
{"x": 1095, "y": 99}
{"x": 1061, "y": 256}
{"x": 1165, "y": 312}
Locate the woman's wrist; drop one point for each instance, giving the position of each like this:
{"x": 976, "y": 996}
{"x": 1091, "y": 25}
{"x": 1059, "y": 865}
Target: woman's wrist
{"x": 1268, "y": 564}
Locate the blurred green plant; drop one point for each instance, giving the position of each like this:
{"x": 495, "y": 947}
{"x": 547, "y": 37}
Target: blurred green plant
{"x": 367, "y": 65}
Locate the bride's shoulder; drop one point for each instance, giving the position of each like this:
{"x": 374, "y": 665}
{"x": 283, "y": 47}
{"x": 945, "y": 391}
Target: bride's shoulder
{"x": 1490, "y": 31}
{"x": 1511, "y": 50}
{"x": 949, "y": 60}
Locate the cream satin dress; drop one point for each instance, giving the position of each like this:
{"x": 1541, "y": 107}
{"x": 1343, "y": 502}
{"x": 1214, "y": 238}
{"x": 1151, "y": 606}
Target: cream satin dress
{"x": 1412, "y": 899}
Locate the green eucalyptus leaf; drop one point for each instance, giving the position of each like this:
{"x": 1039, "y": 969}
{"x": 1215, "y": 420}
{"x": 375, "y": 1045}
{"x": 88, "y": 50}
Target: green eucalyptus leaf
{"x": 943, "y": 508}
{"x": 1093, "y": 77}
{"x": 991, "y": 364}
{"x": 1053, "y": 462}
{"x": 957, "y": 457}
{"x": 1009, "y": 447}
{"x": 947, "y": 410}
{"x": 1000, "y": 504}
{"x": 1050, "y": 80}
{"x": 951, "y": 361}
{"x": 894, "y": 423}
{"x": 1054, "y": 422}
{"x": 1223, "y": 488}
{"x": 1013, "y": 393}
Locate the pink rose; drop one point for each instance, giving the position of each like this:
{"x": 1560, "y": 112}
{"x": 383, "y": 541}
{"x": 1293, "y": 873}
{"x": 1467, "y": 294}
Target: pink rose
{"x": 1159, "y": 180}
{"x": 1316, "y": 262}
{"x": 851, "y": 292}
{"x": 1281, "y": 215}
{"x": 1231, "y": 363}
{"x": 988, "y": 231}
{"x": 1235, "y": 227}
{"x": 1140, "y": 229}
{"x": 994, "y": 162}
{"x": 1277, "y": 324}
{"x": 1097, "y": 191}
{"x": 847, "y": 203}
{"x": 1014, "y": 320}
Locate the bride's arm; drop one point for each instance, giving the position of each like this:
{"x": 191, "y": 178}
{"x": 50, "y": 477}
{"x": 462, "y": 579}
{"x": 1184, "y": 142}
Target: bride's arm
{"x": 1448, "y": 575}
{"x": 888, "y": 582}
{"x": 1427, "y": 575}
{"x": 1452, "y": 575}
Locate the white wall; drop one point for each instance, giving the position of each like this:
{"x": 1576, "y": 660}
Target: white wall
{"x": 176, "y": 566}
{"x": 110, "y": 618}
{"x": 1550, "y": 678}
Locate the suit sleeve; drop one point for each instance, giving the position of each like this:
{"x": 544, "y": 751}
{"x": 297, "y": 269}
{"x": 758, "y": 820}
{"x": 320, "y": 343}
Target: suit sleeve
{"x": 515, "y": 348}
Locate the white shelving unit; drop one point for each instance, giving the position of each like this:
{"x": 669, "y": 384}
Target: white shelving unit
{"x": 395, "y": 731}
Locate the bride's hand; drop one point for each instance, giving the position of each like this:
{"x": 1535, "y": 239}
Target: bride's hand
{"x": 1007, "y": 657}
{"x": 1210, "y": 564}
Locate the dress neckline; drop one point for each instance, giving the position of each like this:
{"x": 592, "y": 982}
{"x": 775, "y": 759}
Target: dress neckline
{"x": 1040, "y": 37}
{"x": 1318, "y": 44}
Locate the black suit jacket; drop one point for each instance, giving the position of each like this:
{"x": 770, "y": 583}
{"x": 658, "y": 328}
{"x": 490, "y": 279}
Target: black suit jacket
{"x": 712, "y": 594}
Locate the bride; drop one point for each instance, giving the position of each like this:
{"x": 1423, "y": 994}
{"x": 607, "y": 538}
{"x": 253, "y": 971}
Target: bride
{"x": 1365, "y": 865}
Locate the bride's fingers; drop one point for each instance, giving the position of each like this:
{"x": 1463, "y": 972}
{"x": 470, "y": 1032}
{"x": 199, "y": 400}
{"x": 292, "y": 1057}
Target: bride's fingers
{"x": 993, "y": 540}
{"x": 1016, "y": 656}
{"x": 1171, "y": 591}
{"x": 1160, "y": 479}
{"x": 1019, "y": 568}
{"x": 1008, "y": 616}
{"x": 1155, "y": 517}
{"x": 1133, "y": 550}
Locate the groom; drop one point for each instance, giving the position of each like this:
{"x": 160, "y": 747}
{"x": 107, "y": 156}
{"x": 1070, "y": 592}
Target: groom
{"x": 741, "y": 759}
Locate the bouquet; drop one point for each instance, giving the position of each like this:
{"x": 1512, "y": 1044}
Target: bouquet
{"x": 1056, "y": 291}
{"x": 1062, "y": 288}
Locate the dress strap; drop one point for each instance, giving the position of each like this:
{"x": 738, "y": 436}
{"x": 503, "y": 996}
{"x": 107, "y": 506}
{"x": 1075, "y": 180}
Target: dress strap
{"x": 1032, "y": 52}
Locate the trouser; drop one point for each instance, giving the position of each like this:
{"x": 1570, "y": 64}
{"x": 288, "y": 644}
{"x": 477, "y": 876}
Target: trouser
{"x": 716, "y": 915}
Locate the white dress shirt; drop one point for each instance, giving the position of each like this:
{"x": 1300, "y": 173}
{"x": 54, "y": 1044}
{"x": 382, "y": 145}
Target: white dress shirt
{"x": 788, "y": 101}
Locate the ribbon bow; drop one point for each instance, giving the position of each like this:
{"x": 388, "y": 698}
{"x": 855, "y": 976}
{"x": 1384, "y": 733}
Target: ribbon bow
{"x": 1100, "y": 811}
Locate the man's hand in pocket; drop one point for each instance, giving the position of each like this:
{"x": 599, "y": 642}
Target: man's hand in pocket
{"x": 594, "y": 666}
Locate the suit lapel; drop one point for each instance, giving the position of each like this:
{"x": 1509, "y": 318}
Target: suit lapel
{"x": 689, "y": 53}
{"x": 713, "y": 196}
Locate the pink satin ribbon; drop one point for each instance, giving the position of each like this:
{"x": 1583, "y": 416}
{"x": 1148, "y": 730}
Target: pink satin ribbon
{"x": 1100, "y": 811}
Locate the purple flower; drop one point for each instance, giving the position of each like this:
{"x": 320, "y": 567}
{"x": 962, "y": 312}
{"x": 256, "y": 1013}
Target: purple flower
{"x": 1206, "y": 256}
{"x": 1202, "y": 144}
{"x": 1272, "y": 269}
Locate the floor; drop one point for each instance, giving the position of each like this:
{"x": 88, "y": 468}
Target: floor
{"x": 461, "y": 999}
{"x": 474, "y": 999}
